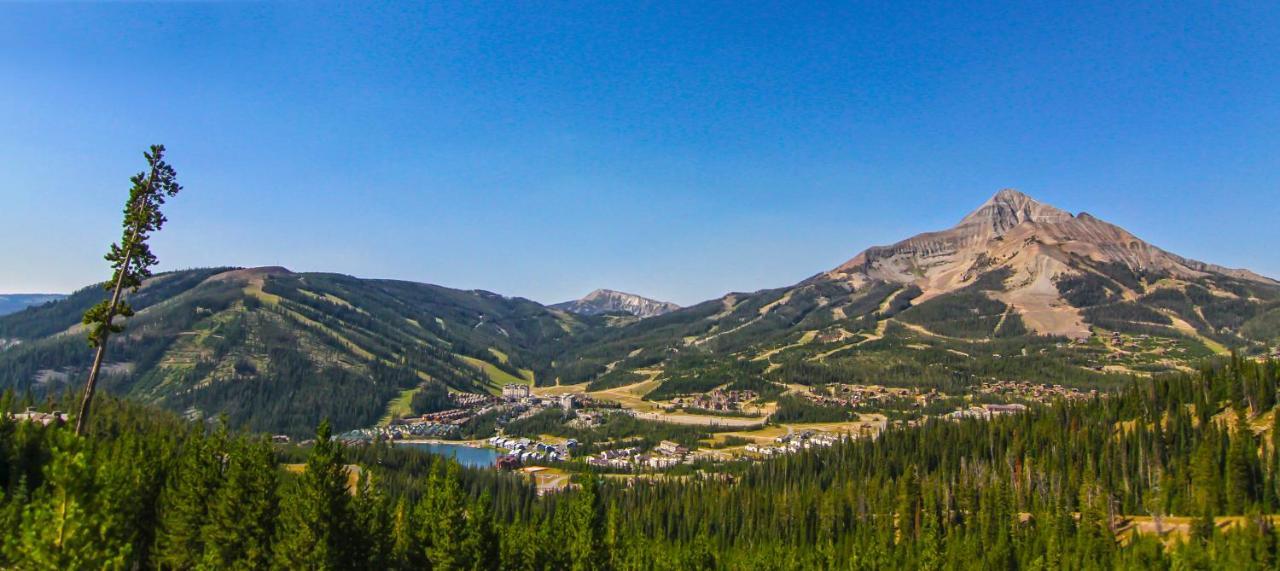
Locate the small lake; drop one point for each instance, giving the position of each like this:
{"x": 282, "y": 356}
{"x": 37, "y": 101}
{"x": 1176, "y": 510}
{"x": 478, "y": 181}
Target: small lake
{"x": 468, "y": 456}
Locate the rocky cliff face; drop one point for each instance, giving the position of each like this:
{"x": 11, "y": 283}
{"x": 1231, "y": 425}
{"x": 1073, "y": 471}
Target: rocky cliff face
{"x": 1038, "y": 244}
{"x": 609, "y": 301}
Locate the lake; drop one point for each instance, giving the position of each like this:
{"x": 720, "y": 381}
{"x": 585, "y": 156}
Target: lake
{"x": 469, "y": 456}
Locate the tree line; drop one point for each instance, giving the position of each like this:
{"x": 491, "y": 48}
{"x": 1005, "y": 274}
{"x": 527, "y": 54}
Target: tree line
{"x": 1044, "y": 490}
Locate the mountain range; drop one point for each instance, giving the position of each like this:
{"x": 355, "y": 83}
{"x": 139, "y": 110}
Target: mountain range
{"x": 1017, "y": 289}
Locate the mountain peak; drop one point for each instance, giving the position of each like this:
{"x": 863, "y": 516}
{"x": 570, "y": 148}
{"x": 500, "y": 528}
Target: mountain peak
{"x": 608, "y": 301}
{"x": 1035, "y": 246}
{"x": 1009, "y": 208}
{"x": 1010, "y": 194}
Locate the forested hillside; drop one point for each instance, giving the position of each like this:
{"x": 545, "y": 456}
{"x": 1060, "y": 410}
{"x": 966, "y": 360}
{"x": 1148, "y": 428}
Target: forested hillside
{"x": 279, "y": 351}
{"x": 1177, "y": 472}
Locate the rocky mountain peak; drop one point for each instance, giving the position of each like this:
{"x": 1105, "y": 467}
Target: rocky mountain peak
{"x": 605, "y": 294}
{"x": 609, "y": 301}
{"x": 1035, "y": 245}
{"x": 1009, "y": 208}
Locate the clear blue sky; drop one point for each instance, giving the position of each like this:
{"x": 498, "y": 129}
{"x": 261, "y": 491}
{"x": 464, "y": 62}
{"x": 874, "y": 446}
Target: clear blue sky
{"x": 675, "y": 151}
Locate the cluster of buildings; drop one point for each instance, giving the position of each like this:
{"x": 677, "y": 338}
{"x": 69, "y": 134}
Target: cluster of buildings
{"x": 42, "y": 418}
{"x": 1123, "y": 347}
{"x": 446, "y": 424}
{"x": 522, "y": 395}
{"x": 517, "y": 401}
{"x": 515, "y": 392}
{"x": 1037, "y": 392}
{"x": 451, "y": 416}
{"x": 665, "y": 455}
{"x": 587, "y": 420}
{"x": 718, "y": 400}
{"x": 858, "y": 395}
{"x": 524, "y": 450}
{"x": 986, "y": 411}
{"x": 467, "y": 400}
{"x": 402, "y": 431}
{"x": 620, "y": 458}
{"x": 795, "y": 442}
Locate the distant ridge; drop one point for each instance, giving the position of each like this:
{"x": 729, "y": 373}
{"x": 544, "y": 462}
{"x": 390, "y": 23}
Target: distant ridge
{"x": 14, "y": 302}
{"x": 610, "y": 301}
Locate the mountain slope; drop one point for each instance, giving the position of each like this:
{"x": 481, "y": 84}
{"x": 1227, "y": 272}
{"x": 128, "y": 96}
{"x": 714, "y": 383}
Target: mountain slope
{"x": 1017, "y": 290}
{"x": 278, "y": 351}
{"x": 1015, "y": 275}
{"x": 609, "y": 301}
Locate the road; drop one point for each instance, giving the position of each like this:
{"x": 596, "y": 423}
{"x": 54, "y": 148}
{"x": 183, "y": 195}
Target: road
{"x": 703, "y": 420}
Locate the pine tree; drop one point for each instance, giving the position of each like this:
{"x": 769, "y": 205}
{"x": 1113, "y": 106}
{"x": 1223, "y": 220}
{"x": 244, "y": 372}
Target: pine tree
{"x": 185, "y": 501}
{"x": 1095, "y": 541}
{"x": 131, "y": 262}
{"x": 421, "y": 536}
{"x": 827, "y": 528}
{"x": 481, "y": 543}
{"x": 316, "y": 521}
{"x": 242, "y": 513}
{"x": 404, "y": 532}
{"x": 1205, "y": 474}
{"x": 65, "y": 525}
{"x": 373, "y": 511}
{"x": 584, "y": 528}
{"x": 931, "y": 549}
{"x": 130, "y": 483}
{"x": 1240, "y": 471}
{"x": 613, "y": 533}
{"x": 447, "y": 517}
{"x": 908, "y": 510}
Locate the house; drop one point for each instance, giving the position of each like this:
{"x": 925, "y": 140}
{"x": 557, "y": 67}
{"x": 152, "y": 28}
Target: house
{"x": 995, "y": 409}
{"x": 660, "y": 462}
{"x": 567, "y": 401}
{"x": 44, "y": 419}
{"x": 721, "y": 400}
{"x": 515, "y": 391}
{"x": 670, "y": 448}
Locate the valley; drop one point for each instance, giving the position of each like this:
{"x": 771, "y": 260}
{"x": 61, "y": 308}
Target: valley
{"x": 1017, "y": 293}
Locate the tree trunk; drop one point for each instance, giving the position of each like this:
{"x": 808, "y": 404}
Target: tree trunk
{"x": 82, "y": 421}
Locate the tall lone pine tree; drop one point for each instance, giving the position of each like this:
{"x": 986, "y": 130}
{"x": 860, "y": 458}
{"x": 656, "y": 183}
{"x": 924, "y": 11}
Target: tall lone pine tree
{"x": 131, "y": 260}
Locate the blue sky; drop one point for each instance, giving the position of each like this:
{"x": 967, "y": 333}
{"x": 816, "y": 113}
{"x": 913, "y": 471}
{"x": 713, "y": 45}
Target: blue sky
{"x": 673, "y": 150}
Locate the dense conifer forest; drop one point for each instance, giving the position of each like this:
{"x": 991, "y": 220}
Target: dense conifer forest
{"x": 1060, "y": 487}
